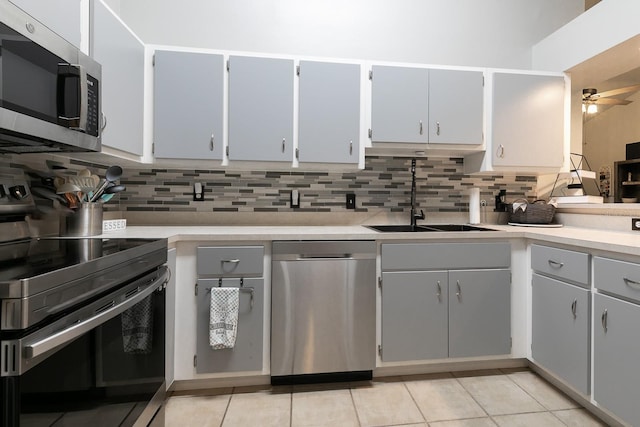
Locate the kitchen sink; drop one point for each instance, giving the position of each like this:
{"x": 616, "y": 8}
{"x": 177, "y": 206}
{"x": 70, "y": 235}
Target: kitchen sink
{"x": 426, "y": 227}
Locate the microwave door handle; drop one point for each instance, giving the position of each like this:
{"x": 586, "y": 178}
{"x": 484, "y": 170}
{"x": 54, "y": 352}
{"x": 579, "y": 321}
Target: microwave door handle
{"x": 73, "y": 70}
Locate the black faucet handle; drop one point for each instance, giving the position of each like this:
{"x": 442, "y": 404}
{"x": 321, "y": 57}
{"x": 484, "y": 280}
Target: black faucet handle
{"x": 420, "y": 215}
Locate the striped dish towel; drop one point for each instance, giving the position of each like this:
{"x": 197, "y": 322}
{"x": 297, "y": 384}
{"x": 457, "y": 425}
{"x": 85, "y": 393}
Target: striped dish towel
{"x": 223, "y": 317}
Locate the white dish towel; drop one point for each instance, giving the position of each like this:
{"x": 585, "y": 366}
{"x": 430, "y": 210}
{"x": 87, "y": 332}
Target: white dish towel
{"x": 223, "y": 317}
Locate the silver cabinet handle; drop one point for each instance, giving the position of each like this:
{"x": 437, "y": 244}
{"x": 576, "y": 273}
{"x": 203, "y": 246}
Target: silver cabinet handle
{"x": 574, "y": 308}
{"x": 500, "y": 152}
{"x": 233, "y": 261}
{"x": 555, "y": 264}
{"x": 438, "y": 128}
{"x": 211, "y": 143}
{"x": 630, "y": 282}
{"x": 420, "y": 127}
{"x": 104, "y": 123}
{"x": 350, "y": 147}
{"x": 283, "y": 141}
{"x": 439, "y": 294}
{"x": 459, "y": 291}
{"x": 603, "y": 319}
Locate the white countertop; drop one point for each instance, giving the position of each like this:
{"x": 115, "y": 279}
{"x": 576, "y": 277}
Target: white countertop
{"x": 623, "y": 242}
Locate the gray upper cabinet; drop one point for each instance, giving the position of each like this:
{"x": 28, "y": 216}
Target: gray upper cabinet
{"x": 399, "y": 104}
{"x": 121, "y": 54}
{"x": 479, "y": 313}
{"x": 560, "y": 337}
{"x": 329, "y": 112}
{"x": 188, "y": 105}
{"x": 455, "y": 107}
{"x": 60, "y": 16}
{"x": 419, "y": 105}
{"x": 527, "y": 120}
{"x": 261, "y": 108}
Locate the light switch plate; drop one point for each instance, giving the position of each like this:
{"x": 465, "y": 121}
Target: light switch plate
{"x": 351, "y": 201}
{"x": 295, "y": 199}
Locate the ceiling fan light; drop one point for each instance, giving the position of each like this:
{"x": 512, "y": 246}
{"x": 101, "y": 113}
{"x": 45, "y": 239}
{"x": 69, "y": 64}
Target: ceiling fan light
{"x": 592, "y": 109}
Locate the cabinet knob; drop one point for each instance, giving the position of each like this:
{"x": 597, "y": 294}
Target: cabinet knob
{"x": 459, "y": 290}
{"x": 420, "y": 127}
{"x": 283, "y": 142}
{"x": 438, "y": 128}
{"x": 439, "y": 294}
{"x": 574, "y": 308}
{"x": 500, "y": 152}
{"x": 350, "y": 147}
{"x": 603, "y": 319}
{"x": 212, "y": 143}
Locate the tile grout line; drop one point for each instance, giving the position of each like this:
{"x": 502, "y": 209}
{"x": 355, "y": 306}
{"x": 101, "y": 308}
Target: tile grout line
{"x": 474, "y": 399}
{"x": 353, "y": 402}
{"x": 424, "y": 418}
{"x": 226, "y": 409}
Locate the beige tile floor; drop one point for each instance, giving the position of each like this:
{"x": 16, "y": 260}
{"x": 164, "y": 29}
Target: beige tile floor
{"x": 517, "y": 398}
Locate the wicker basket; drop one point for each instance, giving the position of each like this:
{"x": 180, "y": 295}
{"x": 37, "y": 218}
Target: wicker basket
{"x": 538, "y": 212}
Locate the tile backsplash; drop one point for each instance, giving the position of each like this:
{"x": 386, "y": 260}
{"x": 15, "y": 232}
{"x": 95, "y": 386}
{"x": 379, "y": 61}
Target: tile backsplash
{"x": 384, "y": 185}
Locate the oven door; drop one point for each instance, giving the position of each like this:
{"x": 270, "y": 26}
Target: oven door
{"x": 104, "y": 362}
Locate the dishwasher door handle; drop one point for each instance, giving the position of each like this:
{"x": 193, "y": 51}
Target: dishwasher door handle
{"x": 325, "y": 256}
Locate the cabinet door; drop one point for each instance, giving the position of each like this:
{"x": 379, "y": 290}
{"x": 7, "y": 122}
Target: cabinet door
{"x": 455, "y": 107}
{"x": 121, "y": 54}
{"x": 188, "y": 105}
{"x": 479, "y": 313}
{"x": 329, "y": 112}
{"x": 247, "y": 352}
{"x": 414, "y": 315}
{"x": 399, "y": 104}
{"x": 60, "y": 16}
{"x": 616, "y": 383}
{"x": 260, "y": 109}
{"x": 527, "y": 120}
{"x": 560, "y": 342}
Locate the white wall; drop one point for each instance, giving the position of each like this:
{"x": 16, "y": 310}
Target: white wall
{"x": 493, "y": 33}
{"x": 602, "y": 27}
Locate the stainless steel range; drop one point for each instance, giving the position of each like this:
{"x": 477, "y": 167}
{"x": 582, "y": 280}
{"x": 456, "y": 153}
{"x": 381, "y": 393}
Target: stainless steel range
{"x": 81, "y": 324}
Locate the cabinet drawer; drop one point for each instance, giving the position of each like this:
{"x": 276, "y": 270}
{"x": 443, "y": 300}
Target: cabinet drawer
{"x": 445, "y": 256}
{"x": 618, "y": 277}
{"x": 561, "y": 263}
{"x": 230, "y": 260}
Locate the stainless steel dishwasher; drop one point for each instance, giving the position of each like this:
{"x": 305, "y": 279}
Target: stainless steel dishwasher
{"x": 323, "y": 311}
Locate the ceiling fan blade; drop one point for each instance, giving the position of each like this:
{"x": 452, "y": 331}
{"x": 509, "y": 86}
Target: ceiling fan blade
{"x": 610, "y": 101}
{"x": 615, "y": 92}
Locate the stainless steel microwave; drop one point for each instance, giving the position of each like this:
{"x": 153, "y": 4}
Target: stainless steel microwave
{"x": 49, "y": 89}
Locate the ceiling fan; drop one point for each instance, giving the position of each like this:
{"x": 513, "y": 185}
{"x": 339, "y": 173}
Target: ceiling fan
{"x": 592, "y": 96}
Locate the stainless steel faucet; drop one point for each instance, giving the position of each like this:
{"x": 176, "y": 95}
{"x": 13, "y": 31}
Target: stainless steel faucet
{"x": 414, "y": 215}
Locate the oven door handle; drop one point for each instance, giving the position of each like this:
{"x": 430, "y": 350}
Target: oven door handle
{"x": 69, "y": 334}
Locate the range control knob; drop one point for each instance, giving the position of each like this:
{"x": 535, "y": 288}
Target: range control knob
{"x": 18, "y": 192}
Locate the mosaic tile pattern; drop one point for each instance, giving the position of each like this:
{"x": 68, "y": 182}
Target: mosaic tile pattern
{"x": 384, "y": 184}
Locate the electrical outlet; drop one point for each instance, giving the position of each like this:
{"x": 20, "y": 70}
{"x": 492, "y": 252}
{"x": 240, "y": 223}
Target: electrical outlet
{"x": 198, "y": 191}
{"x": 635, "y": 223}
{"x": 295, "y": 199}
{"x": 351, "y": 201}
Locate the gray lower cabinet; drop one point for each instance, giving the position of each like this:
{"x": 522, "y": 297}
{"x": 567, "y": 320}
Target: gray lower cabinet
{"x": 188, "y": 105}
{"x": 479, "y": 313}
{"x": 329, "y": 112}
{"x": 616, "y": 384}
{"x": 414, "y": 315}
{"x": 560, "y": 336}
{"x": 261, "y": 108}
{"x": 247, "y": 352}
{"x": 430, "y": 313}
{"x": 239, "y": 267}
